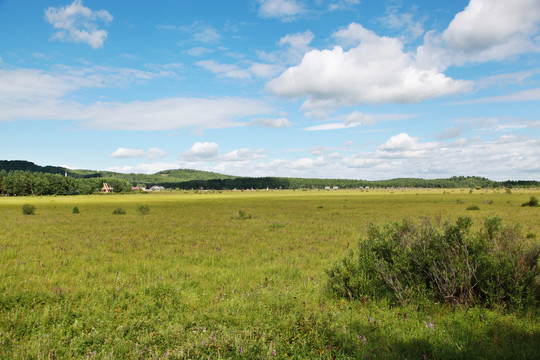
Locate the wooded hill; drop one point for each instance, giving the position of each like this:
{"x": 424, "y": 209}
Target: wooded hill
{"x": 26, "y": 178}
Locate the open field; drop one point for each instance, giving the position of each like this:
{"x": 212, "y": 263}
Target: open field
{"x": 233, "y": 275}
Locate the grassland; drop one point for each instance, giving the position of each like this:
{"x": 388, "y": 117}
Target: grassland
{"x": 233, "y": 275}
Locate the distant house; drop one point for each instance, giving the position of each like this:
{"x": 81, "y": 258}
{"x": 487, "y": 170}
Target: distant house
{"x": 157, "y": 188}
{"x": 135, "y": 188}
{"x": 106, "y": 188}
{"x": 327, "y": 188}
{"x": 335, "y": 188}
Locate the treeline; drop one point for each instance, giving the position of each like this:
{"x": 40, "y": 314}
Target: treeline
{"x": 22, "y": 183}
{"x": 303, "y": 183}
{"x": 175, "y": 175}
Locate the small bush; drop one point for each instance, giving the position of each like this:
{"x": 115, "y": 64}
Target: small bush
{"x": 533, "y": 201}
{"x": 143, "y": 209}
{"x": 407, "y": 263}
{"x": 28, "y": 209}
{"x": 473, "y": 207}
{"x": 119, "y": 211}
{"x": 242, "y": 215}
{"x": 75, "y": 210}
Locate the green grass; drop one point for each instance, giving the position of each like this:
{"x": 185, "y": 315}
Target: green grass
{"x": 189, "y": 280}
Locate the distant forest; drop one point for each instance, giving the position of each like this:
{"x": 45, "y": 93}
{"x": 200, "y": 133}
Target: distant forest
{"x": 23, "y": 178}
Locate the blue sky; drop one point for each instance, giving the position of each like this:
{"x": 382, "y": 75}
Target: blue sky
{"x": 325, "y": 88}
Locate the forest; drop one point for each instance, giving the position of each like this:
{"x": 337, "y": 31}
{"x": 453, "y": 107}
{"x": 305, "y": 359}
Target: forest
{"x": 22, "y": 178}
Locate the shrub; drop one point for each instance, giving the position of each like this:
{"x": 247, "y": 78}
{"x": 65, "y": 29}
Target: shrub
{"x": 473, "y": 207}
{"x": 533, "y": 201}
{"x": 242, "y": 215}
{"x": 28, "y": 209}
{"x": 143, "y": 209}
{"x": 75, "y": 210}
{"x": 119, "y": 211}
{"x": 407, "y": 263}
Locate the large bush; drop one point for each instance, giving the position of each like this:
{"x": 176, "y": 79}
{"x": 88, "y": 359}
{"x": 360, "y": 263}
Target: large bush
{"x": 449, "y": 263}
{"x": 28, "y": 209}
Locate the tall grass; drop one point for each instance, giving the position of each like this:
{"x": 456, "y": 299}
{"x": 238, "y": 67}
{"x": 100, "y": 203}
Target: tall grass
{"x": 188, "y": 281}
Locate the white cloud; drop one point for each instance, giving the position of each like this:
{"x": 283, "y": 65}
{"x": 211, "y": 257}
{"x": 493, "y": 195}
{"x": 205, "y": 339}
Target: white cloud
{"x": 123, "y": 153}
{"x": 235, "y": 72}
{"x": 77, "y": 23}
{"x": 293, "y": 48}
{"x": 155, "y": 153}
{"x": 450, "y": 133}
{"x": 29, "y": 94}
{"x": 151, "y": 154}
{"x": 375, "y": 71}
{"x": 486, "y": 30}
{"x": 402, "y": 21}
{"x": 207, "y": 34}
{"x": 199, "y": 51}
{"x": 226, "y": 70}
{"x": 271, "y": 123}
{"x": 352, "y": 120}
{"x": 202, "y": 152}
{"x": 172, "y": 113}
{"x": 402, "y": 155}
{"x": 206, "y": 151}
{"x": 144, "y": 168}
{"x": 342, "y": 4}
{"x": 286, "y": 10}
{"x": 494, "y": 29}
{"x": 243, "y": 155}
{"x": 520, "y": 96}
{"x": 200, "y": 31}
{"x": 404, "y": 146}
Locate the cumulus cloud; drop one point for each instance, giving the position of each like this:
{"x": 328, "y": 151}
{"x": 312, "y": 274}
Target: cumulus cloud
{"x": 208, "y": 152}
{"x": 201, "y": 151}
{"x": 402, "y": 155}
{"x": 144, "y": 168}
{"x": 404, "y": 146}
{"x": 376, "y": 71}
{"x": 486, "y": 30}
{"x": 123, "y": 153}
{"x": 286, "y": 10}
{"x": 271, "y": 123}
{"x": 151, "y": 154}
{"x": 494, "y": 29}
{"x": 77, "y": 23}
{"x": 243, "y": 155}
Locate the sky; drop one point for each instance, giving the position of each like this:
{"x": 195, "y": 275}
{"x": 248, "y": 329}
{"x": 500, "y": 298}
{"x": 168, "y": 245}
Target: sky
{"x": 353, "y": 89}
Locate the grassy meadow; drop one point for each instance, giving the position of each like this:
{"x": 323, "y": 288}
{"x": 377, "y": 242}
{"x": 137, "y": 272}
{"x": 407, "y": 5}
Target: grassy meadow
{"x": 224, "y": 275}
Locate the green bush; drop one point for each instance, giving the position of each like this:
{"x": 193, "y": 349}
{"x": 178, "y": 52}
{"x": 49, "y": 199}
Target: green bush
{"x": 473, "y": 207}
{"x": 28, "y": 209}
{"x": 406, "y": 263}
{"x": 242, "y": 215}
{"x": 119, "y": 211}
{"x": 75, "y": 210}
{"x": 533, "y": 201}
{"x": 143, "y": 209}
